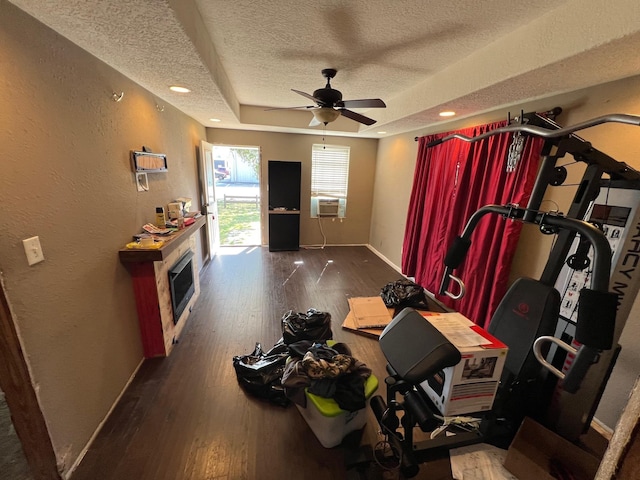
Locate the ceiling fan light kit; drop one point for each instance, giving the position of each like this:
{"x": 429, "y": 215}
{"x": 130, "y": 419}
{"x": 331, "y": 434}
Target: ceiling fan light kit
{"x": 325, "y": 114}
{"x": 329, "y": 104}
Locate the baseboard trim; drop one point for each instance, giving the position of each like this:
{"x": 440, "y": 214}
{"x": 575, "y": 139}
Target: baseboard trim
{"x": 601, "y": 428}
{"x": 84, "y": 451}
{"x": 331, "y": 245}
{"x": 385, "y": 259}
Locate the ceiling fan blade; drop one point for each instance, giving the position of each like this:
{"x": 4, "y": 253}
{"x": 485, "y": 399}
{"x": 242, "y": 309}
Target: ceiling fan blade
{"x": 310, "y": 97}
{"x": 357, "y": 117}
{"x": 363, "y": 103}
{"x": 306, "y": 107}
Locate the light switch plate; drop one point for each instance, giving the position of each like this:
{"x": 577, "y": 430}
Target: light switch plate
{"x": 33, "y": 249}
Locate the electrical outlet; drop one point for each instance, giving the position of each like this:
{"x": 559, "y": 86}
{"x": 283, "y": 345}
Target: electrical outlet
{"x": 33, "y": 249}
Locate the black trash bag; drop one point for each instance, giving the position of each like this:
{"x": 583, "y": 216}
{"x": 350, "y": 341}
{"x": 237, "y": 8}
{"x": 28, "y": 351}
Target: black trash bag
{"x": 403, "y": 293}
{"x": 313, "y": 325}
{"x": 260, "y": 373}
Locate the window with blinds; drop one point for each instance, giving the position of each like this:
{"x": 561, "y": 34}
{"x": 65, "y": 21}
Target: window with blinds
{"x": 329, "y": 180}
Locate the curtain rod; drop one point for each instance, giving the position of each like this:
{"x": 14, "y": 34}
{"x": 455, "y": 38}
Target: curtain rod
{"x": 550, "y": 114}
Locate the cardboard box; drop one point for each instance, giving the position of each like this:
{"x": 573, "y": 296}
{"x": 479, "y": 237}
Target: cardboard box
{"x": 471, "y": 385}
{"x": 537, "y": 451}
{"x": 175, "y": 210}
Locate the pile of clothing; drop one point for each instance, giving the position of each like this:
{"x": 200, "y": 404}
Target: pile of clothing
{"x": 326, "y": 371}
{"x": 302, "y": 359}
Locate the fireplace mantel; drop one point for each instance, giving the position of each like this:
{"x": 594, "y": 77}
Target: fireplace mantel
{"x": 149, "y": 269}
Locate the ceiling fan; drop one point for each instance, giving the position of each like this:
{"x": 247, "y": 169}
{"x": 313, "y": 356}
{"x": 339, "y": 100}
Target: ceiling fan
{"x": 329, "y": 104}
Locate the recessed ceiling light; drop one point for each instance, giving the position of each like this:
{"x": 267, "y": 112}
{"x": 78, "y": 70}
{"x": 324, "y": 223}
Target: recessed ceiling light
{"x": 382, "y": 133}
{"x": 179, "y": 89}
{"x": 447, "y": 114}
{"x": 214, "y": 119}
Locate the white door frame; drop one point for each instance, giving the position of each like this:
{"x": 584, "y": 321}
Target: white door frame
{"x": 209, "y": 198}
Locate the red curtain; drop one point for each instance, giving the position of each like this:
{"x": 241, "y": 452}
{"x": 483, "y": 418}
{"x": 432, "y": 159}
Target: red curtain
{"x": 451, "y": 181}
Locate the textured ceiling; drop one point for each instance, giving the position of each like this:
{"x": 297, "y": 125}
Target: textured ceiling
{"x": 240, "y": 57}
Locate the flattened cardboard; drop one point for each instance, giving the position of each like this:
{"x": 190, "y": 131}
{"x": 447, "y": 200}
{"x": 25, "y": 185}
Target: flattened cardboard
{"x": 369, "y": 312}
{"x": 535, "y": 448}
{"x": 350, "y": 324}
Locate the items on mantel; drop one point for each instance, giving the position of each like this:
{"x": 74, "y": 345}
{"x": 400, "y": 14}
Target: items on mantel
{"x": 154, "y": 237}
{"x": 140, "y": 249}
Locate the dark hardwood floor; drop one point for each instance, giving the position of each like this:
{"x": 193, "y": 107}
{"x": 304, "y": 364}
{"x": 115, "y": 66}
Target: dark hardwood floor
{"x": 185, "y": 416}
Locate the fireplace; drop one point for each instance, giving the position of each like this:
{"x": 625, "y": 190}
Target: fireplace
{"x": 181, "y": 283}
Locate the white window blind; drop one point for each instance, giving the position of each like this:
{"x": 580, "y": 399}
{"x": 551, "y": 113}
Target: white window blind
{"x": 329, "y": 180}
{"x": 329, "y": 171}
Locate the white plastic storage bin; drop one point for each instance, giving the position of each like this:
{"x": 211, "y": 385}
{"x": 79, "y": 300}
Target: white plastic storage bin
{"x": 330, "y": 423}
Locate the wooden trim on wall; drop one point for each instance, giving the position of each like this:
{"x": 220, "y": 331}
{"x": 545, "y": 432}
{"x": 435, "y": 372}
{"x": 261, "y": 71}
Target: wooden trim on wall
{"x": 27, "y": 417}
{"x": 622, "y": 458}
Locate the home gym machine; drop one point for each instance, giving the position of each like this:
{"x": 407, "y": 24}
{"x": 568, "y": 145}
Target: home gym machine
{"x": 574, "y": 336}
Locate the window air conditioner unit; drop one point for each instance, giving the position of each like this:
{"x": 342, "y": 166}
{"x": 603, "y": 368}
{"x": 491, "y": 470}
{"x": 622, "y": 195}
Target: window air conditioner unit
{"x": 328, "y": 207}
